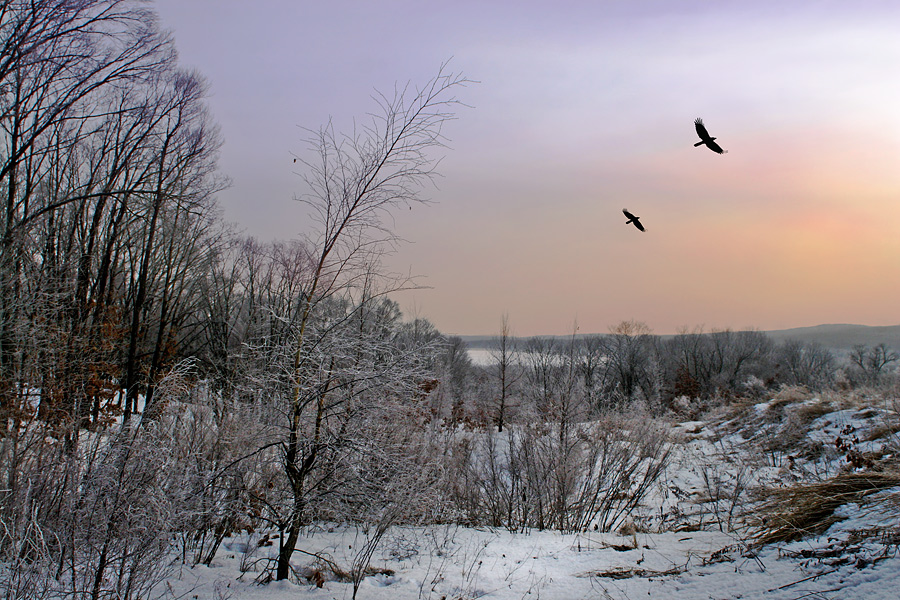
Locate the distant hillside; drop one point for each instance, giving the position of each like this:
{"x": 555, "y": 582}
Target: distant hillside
{"x": 842, "y": 337}
{"x": 837, "y": 337}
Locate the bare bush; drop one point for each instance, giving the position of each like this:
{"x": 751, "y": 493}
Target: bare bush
{"x": 594, "y": 477}
{"x": 224, "y": 478}
{"x": 99, "y": 518}
{"x": 627, "y": 455}
{"x": 725, "y": 482}
{"x": 26, "y": 553}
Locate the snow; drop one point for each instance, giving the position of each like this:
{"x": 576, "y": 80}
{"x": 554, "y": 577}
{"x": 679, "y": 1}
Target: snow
{"x": 675, "y": 549}
{"x": 475, "y": 563}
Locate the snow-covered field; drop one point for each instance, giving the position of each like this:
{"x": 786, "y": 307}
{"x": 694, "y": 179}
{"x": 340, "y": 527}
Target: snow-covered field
{"x": 675, "y": 549}
{"x": 449, "y": 562}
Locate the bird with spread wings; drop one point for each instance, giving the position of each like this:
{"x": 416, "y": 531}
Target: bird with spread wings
{"x": 633, "y": 219}
{"x": 707, "y": 139}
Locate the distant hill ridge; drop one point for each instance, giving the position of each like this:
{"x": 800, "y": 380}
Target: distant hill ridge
{"x": 836, "y": 336}
{"x": 842, "y": 335}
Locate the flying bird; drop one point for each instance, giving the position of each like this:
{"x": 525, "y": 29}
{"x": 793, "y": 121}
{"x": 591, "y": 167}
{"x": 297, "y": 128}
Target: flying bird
{"x": 633, "y": 219}
{"x": 707, "y": 139}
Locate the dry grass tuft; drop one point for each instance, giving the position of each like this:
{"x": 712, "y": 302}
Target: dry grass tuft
{"x": 811, "y": 411}
{"x": 791, "y": 394}
{"x": 882, "y": 431}
{"x": 796, "y": 512}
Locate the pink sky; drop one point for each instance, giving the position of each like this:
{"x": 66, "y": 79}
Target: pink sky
{"x": 584, "y": 108}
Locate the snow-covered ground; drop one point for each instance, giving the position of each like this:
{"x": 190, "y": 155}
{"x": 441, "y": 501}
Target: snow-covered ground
{"x": 450, "y": 563}
{"x": 676, "y": 550}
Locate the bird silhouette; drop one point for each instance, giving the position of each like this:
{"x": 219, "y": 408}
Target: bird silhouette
{"x": 707, "y": 139}
{"x": 633, "y": 219}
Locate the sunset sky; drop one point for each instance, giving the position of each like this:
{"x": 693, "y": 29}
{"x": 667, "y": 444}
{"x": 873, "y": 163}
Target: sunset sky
{"x": 582, "y": 109}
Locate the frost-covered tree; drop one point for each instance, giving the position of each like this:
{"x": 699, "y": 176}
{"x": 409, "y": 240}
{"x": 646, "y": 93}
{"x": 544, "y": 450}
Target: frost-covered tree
{"x": 805, "y": 363}
{"x": 872, "y": 361}
{"x": 353, "y": 182}
{"x": 506, "y": 371}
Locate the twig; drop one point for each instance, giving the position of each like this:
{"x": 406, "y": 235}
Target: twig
{"x": 820, "y": 594}
{"x": 811, "y": 577}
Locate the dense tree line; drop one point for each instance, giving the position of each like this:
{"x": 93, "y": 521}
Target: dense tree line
{"x": 108, "y": 173}
{"x": 690, "y": 370}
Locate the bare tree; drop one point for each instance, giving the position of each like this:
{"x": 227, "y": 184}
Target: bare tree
{"x": 180, "y": 171}
{"x": 354, "y": 183}
{"x": 629, "y": 358}
{"x": 504, "y": 356}
{"x": 456, "y": 381}
{"x": 66, "y": 69}
{"x": 872, "y": 360}
{"x": 107, "y": 171}
{"x": 554, "y": 387}
{"x": 805, "y": 363}
{"x": 717, "y": 363}
{"x": 593, "y": 365}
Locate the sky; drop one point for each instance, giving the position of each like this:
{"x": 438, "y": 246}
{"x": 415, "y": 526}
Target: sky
{"x": 583, "y": 108}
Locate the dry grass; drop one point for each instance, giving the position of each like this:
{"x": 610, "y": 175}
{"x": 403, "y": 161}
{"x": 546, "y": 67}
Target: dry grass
{"x": 628, "y": 573}
{"x": 796, "y": 512}
{"x": 790, "y": 403}
{"x": 812, "y": 411}
{"x": 785, "y": 423}
{"x": 885, "y": 430}
{"x": 732, "y": 418}
{"x": 791, "y": 394}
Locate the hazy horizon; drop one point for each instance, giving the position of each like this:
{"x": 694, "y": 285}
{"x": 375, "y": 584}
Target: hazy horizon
{"x": 584, "y": 108}
{"x": 580, "y": 333}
